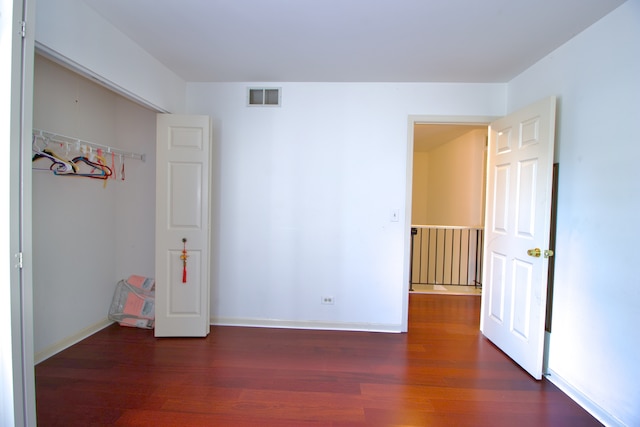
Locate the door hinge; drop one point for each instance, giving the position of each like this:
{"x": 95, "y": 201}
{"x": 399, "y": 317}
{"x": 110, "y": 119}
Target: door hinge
{"x": 19, "y": 257}
{"x": 23, "y": 29}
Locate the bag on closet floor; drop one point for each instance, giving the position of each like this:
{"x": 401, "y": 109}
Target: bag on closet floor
{"x": 146, "y": 284}
{"x": 133, "y": 305}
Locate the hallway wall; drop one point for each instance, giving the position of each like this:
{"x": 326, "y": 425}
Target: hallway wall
{"x": 449, "y": 182}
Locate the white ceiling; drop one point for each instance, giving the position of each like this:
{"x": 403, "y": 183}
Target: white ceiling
{"x": 351, "y": 40}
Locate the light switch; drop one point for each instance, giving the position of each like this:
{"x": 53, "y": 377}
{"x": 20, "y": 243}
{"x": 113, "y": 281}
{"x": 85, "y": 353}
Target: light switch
{"x": 395, "y": 215}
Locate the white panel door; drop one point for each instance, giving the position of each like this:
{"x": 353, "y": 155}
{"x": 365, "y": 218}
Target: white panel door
{"x": 518, "y": 212}
{"x": 182, "y": 213}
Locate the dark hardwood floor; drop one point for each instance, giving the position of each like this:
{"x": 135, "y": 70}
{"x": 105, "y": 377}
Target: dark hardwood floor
{"x": 441, "y": 373}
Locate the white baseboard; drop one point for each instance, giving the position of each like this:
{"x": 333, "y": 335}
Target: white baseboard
{"x": 590, "y": 406}
{"x": 316, "y": 325}
{"x": 69, "y": 341}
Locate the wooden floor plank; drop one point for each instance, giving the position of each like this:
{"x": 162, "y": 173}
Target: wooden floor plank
{"x": 442, "y": 372}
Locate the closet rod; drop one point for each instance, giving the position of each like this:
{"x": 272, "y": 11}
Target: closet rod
{"x": 69, "y": 141}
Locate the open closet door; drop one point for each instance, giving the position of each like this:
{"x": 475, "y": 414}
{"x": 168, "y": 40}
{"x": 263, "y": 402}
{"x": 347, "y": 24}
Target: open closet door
{"x": 517, "y": 222}
{"x": 182, "y": 226}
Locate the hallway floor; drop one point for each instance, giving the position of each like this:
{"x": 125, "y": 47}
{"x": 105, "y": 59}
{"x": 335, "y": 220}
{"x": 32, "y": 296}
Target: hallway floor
{"x": 446, "y": 289}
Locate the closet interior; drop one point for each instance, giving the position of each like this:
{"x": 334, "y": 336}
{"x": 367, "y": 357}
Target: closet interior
{"x": 93, "y": 202}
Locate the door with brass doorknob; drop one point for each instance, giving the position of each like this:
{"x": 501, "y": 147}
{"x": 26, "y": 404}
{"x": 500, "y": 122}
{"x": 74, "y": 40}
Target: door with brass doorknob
{"x": 518, "y": 212}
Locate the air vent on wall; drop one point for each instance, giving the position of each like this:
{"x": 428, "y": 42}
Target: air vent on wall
{"x": 263, "y": 97}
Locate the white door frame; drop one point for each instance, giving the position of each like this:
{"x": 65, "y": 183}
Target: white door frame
{"x": 17, "y": 378}
{"x": 413, "y": 120}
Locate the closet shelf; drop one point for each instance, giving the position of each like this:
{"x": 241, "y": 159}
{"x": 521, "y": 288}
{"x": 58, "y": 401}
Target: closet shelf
{"x": 77, "y": 143}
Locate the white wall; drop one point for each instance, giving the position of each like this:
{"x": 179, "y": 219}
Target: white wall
{"x": 72, "y": 32}
{"x": 306, "y": 195}
{"x": 595, "y": 339}
{"x": 87, "y": 237}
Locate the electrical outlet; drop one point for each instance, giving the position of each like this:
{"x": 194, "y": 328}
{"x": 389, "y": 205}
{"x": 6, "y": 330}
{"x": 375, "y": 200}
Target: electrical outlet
{"x": 328, "y": 300}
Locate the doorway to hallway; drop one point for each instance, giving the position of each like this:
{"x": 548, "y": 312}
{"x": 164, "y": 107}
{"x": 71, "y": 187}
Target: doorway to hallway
{"x": 447, "y": 205}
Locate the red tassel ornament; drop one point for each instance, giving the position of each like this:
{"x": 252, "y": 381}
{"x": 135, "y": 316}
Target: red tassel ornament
{"x": 184, "y": 257}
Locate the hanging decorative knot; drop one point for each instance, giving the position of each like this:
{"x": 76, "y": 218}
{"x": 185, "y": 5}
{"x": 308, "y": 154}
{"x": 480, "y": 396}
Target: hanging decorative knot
{"x": 184, "y": 257}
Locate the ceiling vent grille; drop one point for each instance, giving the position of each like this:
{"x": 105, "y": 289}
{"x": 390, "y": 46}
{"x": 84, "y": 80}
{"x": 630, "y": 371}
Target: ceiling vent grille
{"x": 263, "y": 97}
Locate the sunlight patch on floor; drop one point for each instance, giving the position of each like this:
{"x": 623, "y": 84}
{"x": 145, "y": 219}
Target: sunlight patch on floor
{"x": 446, "y": 289}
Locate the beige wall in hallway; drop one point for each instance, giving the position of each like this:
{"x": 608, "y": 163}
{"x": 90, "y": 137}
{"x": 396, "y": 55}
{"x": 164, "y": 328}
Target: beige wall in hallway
{"x": 448, "y": 182}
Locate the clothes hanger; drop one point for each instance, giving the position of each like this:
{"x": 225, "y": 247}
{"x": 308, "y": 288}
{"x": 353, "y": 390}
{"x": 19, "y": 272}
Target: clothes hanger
{"x": 59, "y": 165}
{"x": 98, "y": 171}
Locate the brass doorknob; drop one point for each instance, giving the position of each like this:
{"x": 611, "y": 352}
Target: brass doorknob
{"x": 534, "y": 252}
{"x": 537, "y": 252}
